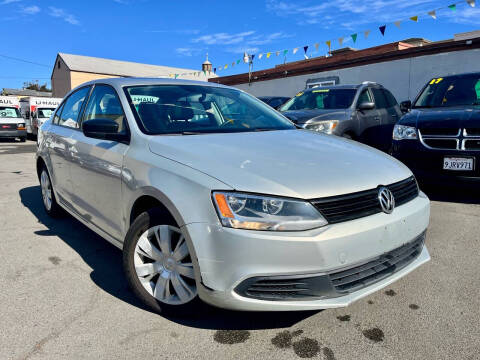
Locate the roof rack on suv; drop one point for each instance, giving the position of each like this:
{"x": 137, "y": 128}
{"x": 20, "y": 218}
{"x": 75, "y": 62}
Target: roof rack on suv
{"x": 369, "y": 82}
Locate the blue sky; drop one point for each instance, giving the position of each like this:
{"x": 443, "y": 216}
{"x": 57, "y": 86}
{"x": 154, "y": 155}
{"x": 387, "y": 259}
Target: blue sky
{"x": 179, "y": 33}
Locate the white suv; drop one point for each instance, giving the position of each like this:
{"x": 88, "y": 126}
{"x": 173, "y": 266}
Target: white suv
{"x": 214, "y": 195}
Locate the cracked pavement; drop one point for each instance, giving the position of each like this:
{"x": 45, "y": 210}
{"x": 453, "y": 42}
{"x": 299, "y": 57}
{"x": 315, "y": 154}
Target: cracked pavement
{"x": 63, "y": 295}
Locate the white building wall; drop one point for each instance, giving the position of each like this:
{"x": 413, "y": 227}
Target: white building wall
{"x": 404, "y": 78}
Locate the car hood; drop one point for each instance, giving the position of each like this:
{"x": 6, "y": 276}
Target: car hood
{"x": 302, "y": 116}
{"x": 293, "y": 163}
{"x": 457, "y": 117}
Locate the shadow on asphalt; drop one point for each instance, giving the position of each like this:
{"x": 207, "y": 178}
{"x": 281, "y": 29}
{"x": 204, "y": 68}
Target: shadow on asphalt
{"x": 106, "y": 263}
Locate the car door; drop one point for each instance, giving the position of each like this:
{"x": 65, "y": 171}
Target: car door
{"x": 368, "y": 120}
{"x": 394, "y": 114}
{"x": 59, "y": 142}
{"x": 380, "y": 137}
{"x": 97, "y": 165}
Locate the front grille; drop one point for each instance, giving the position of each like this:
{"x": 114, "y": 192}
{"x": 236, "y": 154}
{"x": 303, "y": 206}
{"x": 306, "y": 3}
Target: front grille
{"x": 442, "y": 143}
{"x": 450, "y": 139}
{"x": 334, "y": 284}
{"x": 360, "y": 276}
{"x": 352, "y": 206}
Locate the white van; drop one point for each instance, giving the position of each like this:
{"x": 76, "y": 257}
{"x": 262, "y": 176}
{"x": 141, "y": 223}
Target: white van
{"x": 37, "y": 110}
{"x": 12, "y": 125}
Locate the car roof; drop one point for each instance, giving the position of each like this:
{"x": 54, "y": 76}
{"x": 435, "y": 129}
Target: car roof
{"x": 329, "y": 87}
{"x": 137, "y": 81}
{"x": 459, "y": 75}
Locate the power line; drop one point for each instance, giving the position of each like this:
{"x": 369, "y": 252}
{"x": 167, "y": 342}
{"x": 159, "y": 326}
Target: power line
{"x": 23, "y": 60}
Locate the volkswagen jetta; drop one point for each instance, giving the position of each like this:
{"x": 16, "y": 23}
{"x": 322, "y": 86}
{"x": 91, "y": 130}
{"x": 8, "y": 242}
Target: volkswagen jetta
{"x": 213, "y": 195}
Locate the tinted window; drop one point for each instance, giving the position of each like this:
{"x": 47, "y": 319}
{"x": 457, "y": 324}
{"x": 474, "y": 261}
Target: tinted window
{"x": 365, "y": 96}
{"x": 276, "y": 102}
{"x": 391, "y": 101}
{"x": 380, "y": 100}
{"x": 451, "y": 91}
{"x": 72, "y": 108}
{"x": 321, "y": 99}
{"x": 56, "y": 118}
{"x": 105, "y": 104}
{"x": 170, "y": 109}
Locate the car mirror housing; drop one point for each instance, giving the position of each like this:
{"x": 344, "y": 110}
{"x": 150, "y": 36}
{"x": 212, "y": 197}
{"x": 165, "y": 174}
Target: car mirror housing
{"x": 366, "y": 106}
{"x": 405, "y": 106}
{"x": 106, "y": 129}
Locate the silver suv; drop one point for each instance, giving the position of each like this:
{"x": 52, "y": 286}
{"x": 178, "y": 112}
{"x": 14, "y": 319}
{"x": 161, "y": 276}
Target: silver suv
{"x": 365, "y": 112}
{"x": 213, "y": 195}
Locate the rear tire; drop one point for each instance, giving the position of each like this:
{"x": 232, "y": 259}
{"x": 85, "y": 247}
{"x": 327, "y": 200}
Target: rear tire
{"x": 48, "y": 195}
{"x": 158, "y": 265}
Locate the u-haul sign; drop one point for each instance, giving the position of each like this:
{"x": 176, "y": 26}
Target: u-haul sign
{"x": 9, "y": 101}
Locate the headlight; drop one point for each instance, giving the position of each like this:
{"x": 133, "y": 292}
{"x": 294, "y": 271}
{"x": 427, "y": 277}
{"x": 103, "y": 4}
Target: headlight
{"x": 401, "y": 132}
{"x": 323, "y": 126}
{"x": 253, "y": 212}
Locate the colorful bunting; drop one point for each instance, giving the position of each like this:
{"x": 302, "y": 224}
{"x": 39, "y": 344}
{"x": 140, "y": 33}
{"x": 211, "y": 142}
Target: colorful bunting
{"x": 260, "y": 56}
{"x": 253, "y": 57}
{"x": 305, "y": 48}
{"x": 414, "y": 18}
{"x": 433, "y": 14}
{"x": 285, "y": 52}
{"x": 354, "y": 38}
{"x": 329, "y": 44}
{"x": 452, "y": 7}
{"x": 397, "y": 23}
{"x": 340, "y": 41}
{"x": 278, "y": 53}
{"x": 366, "y": 33}
{"x": 382, "y": 29}
{"x": 471, "y": 3}
{"x": 295, "y": 50}
{"x": 268, "y": 55}
{"x": 316, "y": 46}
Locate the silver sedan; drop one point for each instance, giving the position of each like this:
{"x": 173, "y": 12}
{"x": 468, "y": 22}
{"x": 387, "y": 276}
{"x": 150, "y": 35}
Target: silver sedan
{"x": 213, "y": 195}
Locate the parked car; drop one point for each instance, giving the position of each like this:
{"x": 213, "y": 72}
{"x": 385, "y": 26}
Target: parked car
{"x": 213, "y": 195}
{"x": 274, "y": 101}
{"x": 365, "y": 112}
{"x": 37, "y": 110}
{"x": 12, "y": 125}
{"x": 439, "y": 139}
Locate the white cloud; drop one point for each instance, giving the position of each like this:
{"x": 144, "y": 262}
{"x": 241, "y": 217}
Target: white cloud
{"x": 348, "y": 13}
{"x": 241, "y": 50}
{"x": 30, "y": 10}
{"x": 223, "y": 38}
{"x": 188, "y": 51}
{"x": 60, "y": 13}
{"x": 176, "y": 31}
{"x": 5, "y": 2}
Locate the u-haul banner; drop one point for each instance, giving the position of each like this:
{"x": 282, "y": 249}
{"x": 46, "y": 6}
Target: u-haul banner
{"x": 45, "y": 102}
{"x": 9, "y": 101}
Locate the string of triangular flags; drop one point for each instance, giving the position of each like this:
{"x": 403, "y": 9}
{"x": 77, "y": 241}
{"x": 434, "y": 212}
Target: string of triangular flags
{"x": 354, "y": 37}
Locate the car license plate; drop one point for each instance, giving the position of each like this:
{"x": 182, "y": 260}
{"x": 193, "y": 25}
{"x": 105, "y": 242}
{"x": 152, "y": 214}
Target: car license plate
{"x": 459, "y": 164}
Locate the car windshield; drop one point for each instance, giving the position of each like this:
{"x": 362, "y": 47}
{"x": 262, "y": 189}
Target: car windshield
{"x": 450, "y": 91}
{"x": 9, "y": 112}
{"x": 321, "y": 99}
{"x": 45, "y": 112}
{"x": 192, "y": 109}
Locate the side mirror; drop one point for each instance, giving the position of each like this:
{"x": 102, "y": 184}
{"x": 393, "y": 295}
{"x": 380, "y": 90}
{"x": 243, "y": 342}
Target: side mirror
{"x": 103, "y": 129}
{"x": 366, "y": 106}
{"x": 405, "y": 106}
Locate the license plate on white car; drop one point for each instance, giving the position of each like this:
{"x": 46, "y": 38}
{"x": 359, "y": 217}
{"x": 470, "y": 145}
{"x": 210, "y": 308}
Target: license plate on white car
{"x": 459, "y": 164}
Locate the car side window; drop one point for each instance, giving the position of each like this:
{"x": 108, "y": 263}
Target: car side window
{"x": 365, "y": 96}
{"x": 380, "y": 100}
{"x": 391, "y": 101}
{"x": 56, "y": 118}
{"x": 72, "y": 108}
{"x": 105, "y": 104}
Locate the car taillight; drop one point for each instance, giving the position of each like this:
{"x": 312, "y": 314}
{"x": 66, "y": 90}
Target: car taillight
{"x": 21, "y": 126}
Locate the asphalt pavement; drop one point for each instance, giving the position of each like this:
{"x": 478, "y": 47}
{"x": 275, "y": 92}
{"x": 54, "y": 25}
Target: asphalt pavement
{"x": 63, "y": 295}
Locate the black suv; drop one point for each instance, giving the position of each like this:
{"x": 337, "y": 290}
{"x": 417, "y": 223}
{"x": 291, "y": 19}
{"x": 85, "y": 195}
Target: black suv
{"x": 439, "y": 138}
{"x": 365, "y": 112}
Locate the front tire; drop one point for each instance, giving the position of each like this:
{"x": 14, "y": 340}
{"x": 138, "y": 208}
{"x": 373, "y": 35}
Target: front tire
{"x": 48, "y": 196}
{"x": 158, "y": 265}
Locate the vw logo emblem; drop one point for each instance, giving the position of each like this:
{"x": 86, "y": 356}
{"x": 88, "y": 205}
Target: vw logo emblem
{"x": 386, "y": 200}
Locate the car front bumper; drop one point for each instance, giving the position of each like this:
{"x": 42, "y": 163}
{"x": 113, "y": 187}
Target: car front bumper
{"x": 228, "y": 257}
{"x": 13, "y": 133}
{"x": 427, "y": 164}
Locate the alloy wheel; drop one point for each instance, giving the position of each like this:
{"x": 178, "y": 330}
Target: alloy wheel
{"x": 164, "y": 266}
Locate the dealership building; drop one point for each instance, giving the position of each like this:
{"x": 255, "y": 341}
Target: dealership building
{"x": 403, "y": 67}
{"x": 70, "y": 71}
